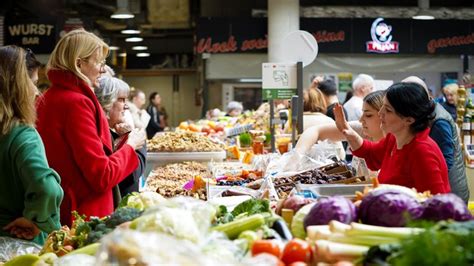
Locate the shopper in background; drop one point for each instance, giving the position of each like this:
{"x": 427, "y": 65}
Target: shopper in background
{"x": 329, "y": 89}
{"x": 156, "y": 123}
{"x": 407, "y": 156}
{"x": 444, "y": 133}
{"x": 367, "y": 127}
{"x": 450, "y": 91}
{"x": 112, "y": 94}
{"x": 75, "y": 130}
{"x": 30, "y": 194}
{"x": 135, "y": 104}
{"x": 361, "y": 86}
{"x": 234, "y": 109}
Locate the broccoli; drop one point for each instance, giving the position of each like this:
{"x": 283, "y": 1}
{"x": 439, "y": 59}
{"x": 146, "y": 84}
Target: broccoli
{"x": 121, "y": 216}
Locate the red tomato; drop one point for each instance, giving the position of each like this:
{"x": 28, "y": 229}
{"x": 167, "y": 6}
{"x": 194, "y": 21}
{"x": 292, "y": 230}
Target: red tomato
{"x": 266, "y": 246}
{"x": 299, "y": 263}
{"x": 297, "y": 250}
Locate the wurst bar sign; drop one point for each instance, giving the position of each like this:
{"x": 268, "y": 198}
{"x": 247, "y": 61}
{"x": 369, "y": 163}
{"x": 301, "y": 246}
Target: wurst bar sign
{"x": 38, "y": 35}
{"x": 377, "y": 35}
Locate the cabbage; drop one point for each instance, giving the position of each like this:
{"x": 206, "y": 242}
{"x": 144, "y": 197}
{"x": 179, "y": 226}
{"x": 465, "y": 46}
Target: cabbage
{"x": 333, "y": 208}
{"x": 444, "y": 207}
{"x": 389, "y": 208}
{"x": 142, "y": 200}
{"x": 297, "y": 226}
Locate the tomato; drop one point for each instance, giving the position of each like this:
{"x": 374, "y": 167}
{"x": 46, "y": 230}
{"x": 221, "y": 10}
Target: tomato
{"x": 266, "y": 246}
{"x": 298, "y": 263}
{"x": 297, "y": 250}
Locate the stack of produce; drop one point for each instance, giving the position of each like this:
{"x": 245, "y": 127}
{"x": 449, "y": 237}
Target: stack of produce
{"x": 169, "y": 180}
{"x": 182, "y": 142}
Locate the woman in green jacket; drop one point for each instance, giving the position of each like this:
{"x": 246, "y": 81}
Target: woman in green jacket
{"x": 30, "y": 193}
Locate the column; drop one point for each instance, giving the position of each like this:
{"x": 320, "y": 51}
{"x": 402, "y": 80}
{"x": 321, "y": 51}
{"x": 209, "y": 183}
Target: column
{"x": 283, "y": 18}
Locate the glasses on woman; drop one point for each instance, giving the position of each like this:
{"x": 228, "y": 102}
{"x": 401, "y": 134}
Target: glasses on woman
{"x": 100, "y": 64}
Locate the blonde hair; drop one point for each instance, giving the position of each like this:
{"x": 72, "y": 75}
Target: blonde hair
{"x": 17, "y": 91}
{"x": 452, "y": 89}
{"x": 77, "y": 44}
{"x": 313, "y": 101}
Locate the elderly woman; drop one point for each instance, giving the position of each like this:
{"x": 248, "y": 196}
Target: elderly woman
{"x": 112, "y": 94}
{"x": 30, "y": 194}
{"x": 406, "y": 156}
{"x": 75, "y": 130}
{"x": 450, "y": 91}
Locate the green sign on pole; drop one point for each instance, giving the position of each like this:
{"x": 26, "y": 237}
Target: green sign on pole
{"x": 279, "y": 80}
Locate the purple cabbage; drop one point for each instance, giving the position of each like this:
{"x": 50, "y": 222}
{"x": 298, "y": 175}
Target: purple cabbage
{"x": 446, "y": 206}
{"x": 333, "y": 208}
{"x": 386, "y": 207}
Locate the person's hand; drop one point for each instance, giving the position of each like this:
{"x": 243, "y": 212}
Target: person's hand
{"x": 355, "y": 141}
{"x": 22, "y": 228}
{"x": 122, "y": 128}
{"x": 136, "y": 138}
{"x": 315, "y": 82}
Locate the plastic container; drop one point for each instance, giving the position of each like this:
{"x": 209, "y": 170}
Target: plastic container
{"x": 162, "y": 158}
{"x": 348, "y": 190}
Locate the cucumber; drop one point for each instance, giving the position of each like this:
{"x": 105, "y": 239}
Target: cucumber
{"x": 234, "y": 228}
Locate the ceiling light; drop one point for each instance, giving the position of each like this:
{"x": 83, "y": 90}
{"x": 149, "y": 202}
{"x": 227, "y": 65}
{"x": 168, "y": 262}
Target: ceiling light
{"x": 130, "y": 31}
{"x": 140, "y": 48}
{"x": 122, "y": 11}
{"x": 122, "y": 54}
{"x": 134, "y": 39}
{"x": 143, "y": 54}
{"x": 423, "y": 14}
{"x": 113, "y": 48}
{"x": 423, "y": 17}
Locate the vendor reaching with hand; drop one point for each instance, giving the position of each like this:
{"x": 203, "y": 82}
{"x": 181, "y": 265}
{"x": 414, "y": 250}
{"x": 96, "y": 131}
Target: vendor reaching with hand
{"x": 406, "y": 156}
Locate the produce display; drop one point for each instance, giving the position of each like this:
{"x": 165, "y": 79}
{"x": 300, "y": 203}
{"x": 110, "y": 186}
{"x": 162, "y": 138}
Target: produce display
{"x": 169, "y": 180}
{"x": 182, "y": 142}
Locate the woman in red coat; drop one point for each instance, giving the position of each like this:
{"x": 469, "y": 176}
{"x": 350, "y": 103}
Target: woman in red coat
{"x": 74, "y": 128}
{"x": 406, "y": 156}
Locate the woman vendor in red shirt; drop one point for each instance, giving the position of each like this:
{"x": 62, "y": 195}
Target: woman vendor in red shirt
{"x": 407, "y": 156}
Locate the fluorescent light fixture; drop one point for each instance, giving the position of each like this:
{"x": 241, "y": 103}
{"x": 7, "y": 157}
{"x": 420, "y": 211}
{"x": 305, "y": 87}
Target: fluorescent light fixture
{"x": 113, "y": 48}
{"x": 143, "y": 54}
{"x": 134, "y": 39}
{"x": 423, "y": 17}
{"x": 140, "y": 48}
{"x": 122, "y": 54}
{"x": 250, "y": 80}
{"x": 122, "y": 14}
{"x": 130, "y": 31}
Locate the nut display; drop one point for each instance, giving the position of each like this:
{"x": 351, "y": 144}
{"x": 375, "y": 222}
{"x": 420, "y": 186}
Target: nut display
{"x": 169, "y": 180}
{"x": 182, "y": 142}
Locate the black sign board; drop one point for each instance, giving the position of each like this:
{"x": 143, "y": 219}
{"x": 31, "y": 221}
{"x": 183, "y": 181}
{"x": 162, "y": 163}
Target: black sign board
{"x": 37, "y": 34}
{"x": 378, "y": 35}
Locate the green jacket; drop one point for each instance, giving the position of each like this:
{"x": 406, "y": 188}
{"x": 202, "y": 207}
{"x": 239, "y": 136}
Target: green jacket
{"x": 28, "y": 187}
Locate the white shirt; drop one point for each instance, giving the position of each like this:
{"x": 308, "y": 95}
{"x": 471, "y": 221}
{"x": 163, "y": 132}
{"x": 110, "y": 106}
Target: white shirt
{"x": 354, "y": 108}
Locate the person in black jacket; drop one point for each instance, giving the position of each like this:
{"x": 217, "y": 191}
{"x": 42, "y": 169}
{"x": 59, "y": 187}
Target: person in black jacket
{"x": 156, "y": 123}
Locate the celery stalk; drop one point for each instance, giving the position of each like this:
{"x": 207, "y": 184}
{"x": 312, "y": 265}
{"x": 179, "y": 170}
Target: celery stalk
{"x": 372, "y": 230}
{"x": 331, "y": 251}
{"x": 234, "y": 228}
{"x": 338, "y": 227}
{"x": 362, "y": 239}
{"x": 316, "y": 232}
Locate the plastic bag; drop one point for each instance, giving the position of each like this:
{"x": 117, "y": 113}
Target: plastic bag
{"x": 12, "y": 247}
{"x": 292, "y": 163}
{"x": 327, "y": 152}
{"x": 261, "y": 162}
{"x": 76, "y": 260}
{"x": 183, "y": 217}
{"x": 125, "y": 247}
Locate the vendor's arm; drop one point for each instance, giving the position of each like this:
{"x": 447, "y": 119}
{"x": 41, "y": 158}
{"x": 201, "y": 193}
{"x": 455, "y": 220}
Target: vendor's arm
{"x": 321, "y": 132}
{"x": 100, "y": 171}
{"x": 43, "y": 193}
{"x": 427, "y": 171}
{"x": 442, "y": 134}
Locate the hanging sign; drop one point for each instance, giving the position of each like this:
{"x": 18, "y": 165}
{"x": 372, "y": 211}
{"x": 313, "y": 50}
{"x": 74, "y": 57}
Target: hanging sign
{"x": 381, "y": 38}
{"x": 278, "y": 80}
{"x": 38, "y": 35}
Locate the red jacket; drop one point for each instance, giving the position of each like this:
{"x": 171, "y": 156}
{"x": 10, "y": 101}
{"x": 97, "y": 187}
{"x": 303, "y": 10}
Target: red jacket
{"x": 79, "y": 147}
{"x": 419, "y": 164}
